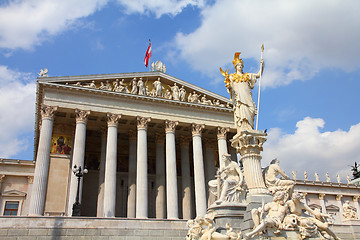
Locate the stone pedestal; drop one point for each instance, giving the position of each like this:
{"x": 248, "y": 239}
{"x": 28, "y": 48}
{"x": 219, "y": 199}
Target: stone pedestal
{"x": 228, "y": 212}
{"x": 249, "y": 144}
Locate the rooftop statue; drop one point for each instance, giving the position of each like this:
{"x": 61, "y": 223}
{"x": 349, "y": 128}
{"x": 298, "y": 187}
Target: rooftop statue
{"x": 356, "y": 172}
{"x": 43, "y": 72}
{"x": 239, "y": 85}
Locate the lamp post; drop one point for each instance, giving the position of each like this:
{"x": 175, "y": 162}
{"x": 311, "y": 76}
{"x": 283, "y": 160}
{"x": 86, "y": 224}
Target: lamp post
{"x": 79, "y": 174}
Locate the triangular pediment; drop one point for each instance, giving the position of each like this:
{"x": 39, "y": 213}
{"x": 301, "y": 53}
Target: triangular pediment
{"x": 13, "y": 193}
{"x": 315, "y": 206}
{"x": 149, "y": 85}
{"x": 332, "y": 208}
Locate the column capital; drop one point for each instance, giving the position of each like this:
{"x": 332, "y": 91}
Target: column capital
{"x": 142, "y": 122}
{"x": 30, "y": 179}
{"x": 184, "y": 140}
{"x": 338, "y": 197}
{"x": 197, "y": 129}
{"x": 159, "y": 138}
{"x": 132, "y": 135}
{"x": 170, "y": 126}
{"x": 48, "y": 112}
{"x": 321, "y": 196}
{"x": 81, "y": 115}
{"x": 355, "y": 198}
{"x": 222, "y": 132}
{"x": 113, "y": 119}
{"x": 2, "y": 177}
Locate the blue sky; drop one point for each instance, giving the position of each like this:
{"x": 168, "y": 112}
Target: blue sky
{"x": 309, "y": 98}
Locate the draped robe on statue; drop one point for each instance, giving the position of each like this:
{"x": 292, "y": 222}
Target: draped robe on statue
{"x": 244, "y": 106}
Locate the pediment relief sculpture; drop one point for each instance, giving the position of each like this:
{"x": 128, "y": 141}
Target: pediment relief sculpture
{"x": 153, "y": 88}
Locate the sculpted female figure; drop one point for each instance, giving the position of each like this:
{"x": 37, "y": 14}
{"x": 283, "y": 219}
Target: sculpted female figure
{"x": 239, "y": 85}
{"x": 231, "y": 178}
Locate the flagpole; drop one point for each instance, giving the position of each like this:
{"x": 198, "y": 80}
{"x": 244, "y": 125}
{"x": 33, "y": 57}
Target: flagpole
{"x": 258, "y": 107}
{"x": 150, "y": 58}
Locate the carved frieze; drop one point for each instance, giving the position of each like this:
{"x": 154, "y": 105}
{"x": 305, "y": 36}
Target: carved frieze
{"x": 155, "y": 89}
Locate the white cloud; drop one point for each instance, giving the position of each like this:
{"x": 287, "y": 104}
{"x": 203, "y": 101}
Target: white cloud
{"x": 159, "y": 7}
{"x": 301, "y": 37}
{"x": 17, "y": 105}
{"x": 25, "y": 24}
{"x": 314, "y": 151}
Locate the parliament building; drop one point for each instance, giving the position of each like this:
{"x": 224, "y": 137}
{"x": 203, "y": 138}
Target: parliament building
{"x": 134, "y": 151}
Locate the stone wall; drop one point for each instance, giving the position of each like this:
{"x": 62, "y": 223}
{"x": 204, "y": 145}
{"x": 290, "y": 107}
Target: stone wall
{"x": 87, "y": 228}
{"x": 74, "y": 228}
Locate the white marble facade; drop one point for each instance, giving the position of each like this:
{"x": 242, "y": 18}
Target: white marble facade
{"x": 145, "y": 142}
{"x": 148, "y": 155}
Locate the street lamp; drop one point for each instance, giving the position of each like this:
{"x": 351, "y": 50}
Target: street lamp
{"x": 79, "y": 174}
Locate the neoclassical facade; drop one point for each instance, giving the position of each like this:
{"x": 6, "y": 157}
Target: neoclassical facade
{"x": 150, "y": 142}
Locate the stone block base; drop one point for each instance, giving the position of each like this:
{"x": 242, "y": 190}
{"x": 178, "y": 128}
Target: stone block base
{"x": 232, "y": 213}
{"x": 88, "y": 228}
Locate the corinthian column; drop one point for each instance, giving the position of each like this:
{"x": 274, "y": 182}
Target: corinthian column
{"x": 2, "y": 177}
{"x": 185, "y": 178}
{"x": 249, "y": 145}
{"x": 356, "y": 202}
{"x": 37, "y": 201}
{"x": 78, "y": 156}
{"x": 199, "y": 176}
{"x": 322, "y": 202}
{"x": 111, "y": 165}
{"x": 171, "y": 176}
{"x": 100, "y": 201}
{"x": 160, "y": 201}
{"x": 222, "y": 145}
{"x": 210, "y": 167}
{"x": 141, "y": 169}
{"x": 132, "y": 176}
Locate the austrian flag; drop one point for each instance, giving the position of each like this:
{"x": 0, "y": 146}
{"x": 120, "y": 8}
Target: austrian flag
{"x": 147, "y": 55}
